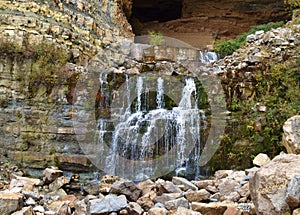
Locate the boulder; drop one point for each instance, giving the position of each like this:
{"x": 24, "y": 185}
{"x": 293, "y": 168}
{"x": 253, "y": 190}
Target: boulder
{"x": 261, "y": 159}
{"x": 213, "y": 208}
{"x": 291, "y": 135}
{"x": 174, "y": 204}
{"x": 169, "y": 187}
{"x": 109, "y": 203}
{"x": 167, "y": 197}
{"x": 24, "y": 183}
{"x": 24, "y": 211}
{"x": 185, "y": 211}
{"x": 157, "y": 211}
{"x": 182, "y": 181}
{"x": 268, "y": 187}
{"x": 51, "y": 173}
{"x": 296, "y": 211}
{"x": 197, "y": 196}
{"x": 134, "y": 208}
{"x": 293, "y": 192}
{"x": 127, "y": 188}
{"x": 10, "y": 202}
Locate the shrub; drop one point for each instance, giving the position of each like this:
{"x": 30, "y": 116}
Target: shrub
{"x": 293, "y": 3}
{"x": 227, "y": 47}
{"x": 156, "y": 38}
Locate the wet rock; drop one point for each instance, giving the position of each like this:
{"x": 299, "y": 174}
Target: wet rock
{"x": 30, "y": 201}
{"x": 182, "y": 181}
{"x": 268, "y": 187}
{"x": 293, "y": 192}
{"x": 51, "y": 173}
{"x": 109, "y": 203}
{"x": 197, "y": 196}
{"x": 261, "y": 159}
{"x": 127, "y": 188}
{"x": 291, "y": 135}
{"x": 10, "y": 202}
{"x": 92, "y": 187}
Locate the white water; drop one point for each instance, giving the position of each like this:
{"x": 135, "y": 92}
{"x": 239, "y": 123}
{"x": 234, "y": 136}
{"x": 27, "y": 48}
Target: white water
{"x": 207, "y": 57}
{"x": 142, "y": 135}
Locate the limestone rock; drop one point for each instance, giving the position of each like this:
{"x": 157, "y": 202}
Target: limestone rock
{"x": 24, "y": 211}
{"x": 157, "y": 211}
{"x": 214, "y": 208}
{"x": 228, "y": 186}
{"x": 204, "y": 183}
{"x": 182, "y": 181}
{"x": 293, "y": 192}
{"x": 109, "y": 203}
{"x": 170, "y": 187}
{"x": 197, "y": 196}
{"x": 174, "y": 204}
{"x": 10, "y": 202}
{"x": 127, "y": 188}
{"x": 296, "y": 211}
{"x": 145, "y": 202}
{"x": 291, "y": 135}
{"x": 167, "y": 197}
{"x": 58, "y": 183}
{"x": 52, "y": 173}
{"x": 134, "y": 208}
{"x": 185, "y": 211}
{"x": 268, "y": 187}
{"x": 261, "y": 159}
{"x": 25, "y": 183}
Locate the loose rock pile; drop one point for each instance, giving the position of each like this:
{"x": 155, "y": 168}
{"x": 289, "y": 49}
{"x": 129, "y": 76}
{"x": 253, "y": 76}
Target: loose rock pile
{"x": 271, "y": 187}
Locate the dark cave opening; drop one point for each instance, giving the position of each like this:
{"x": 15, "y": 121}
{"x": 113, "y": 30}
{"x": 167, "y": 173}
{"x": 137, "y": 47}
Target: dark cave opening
{"x": 156, "y": 10}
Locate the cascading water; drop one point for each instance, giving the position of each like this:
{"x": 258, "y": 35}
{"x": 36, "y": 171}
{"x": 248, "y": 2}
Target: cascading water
{"x": 143, "y": 127}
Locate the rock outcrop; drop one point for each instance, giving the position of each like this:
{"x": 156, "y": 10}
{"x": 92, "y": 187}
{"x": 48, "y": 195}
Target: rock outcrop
{"x": 274, "y": 186}
{"x": 291, "y": 135}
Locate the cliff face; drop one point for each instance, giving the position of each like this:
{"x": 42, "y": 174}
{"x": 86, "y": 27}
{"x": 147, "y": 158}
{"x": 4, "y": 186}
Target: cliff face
{"x": 36, "y": 112}
{"x": 207, "y": 20}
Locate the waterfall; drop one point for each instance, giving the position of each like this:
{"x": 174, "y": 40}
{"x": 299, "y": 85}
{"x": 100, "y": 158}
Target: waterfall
{"x": 142, "y": 133}
{"x": 207, "y": 57}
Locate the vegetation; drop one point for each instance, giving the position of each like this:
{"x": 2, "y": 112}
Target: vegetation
{"x": 156, "y": 38}
{"x": 227, "y": 47}
{"x": 293, "y": 3}
{"x": 47, "y": 63}
{"x": 251, "y": 130}
{"x": 137, "y": 26}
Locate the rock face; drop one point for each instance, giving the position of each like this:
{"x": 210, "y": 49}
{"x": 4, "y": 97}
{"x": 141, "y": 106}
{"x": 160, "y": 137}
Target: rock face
{"x": 212, "y": 20}
{"x": 269, "y": 186}
{"x": 291, "y": 135}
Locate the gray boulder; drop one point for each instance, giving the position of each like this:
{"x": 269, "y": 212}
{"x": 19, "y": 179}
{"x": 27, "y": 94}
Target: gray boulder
{"x": 268, "y": 186}
{"x": 110, "y": 203}
{"x": 127, "y": 188}
{"x": 291, "y": 135}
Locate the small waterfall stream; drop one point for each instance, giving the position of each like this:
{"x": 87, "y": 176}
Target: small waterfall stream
{"x": 146, "y": 135}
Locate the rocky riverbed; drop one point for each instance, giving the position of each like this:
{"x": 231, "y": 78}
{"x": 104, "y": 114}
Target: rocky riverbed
{"x": 270, "y": 187}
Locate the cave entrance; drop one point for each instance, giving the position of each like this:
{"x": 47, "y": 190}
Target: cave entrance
{"x": 155, "y": 10}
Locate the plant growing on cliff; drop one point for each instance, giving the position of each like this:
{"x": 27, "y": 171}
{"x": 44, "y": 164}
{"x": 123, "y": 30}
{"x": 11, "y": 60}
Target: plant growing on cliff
{"x": 155, "y": 38}
{"x": 293, "y": 3}
{"x": 47, "y": 63}
{"x": 227, "y": 47}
